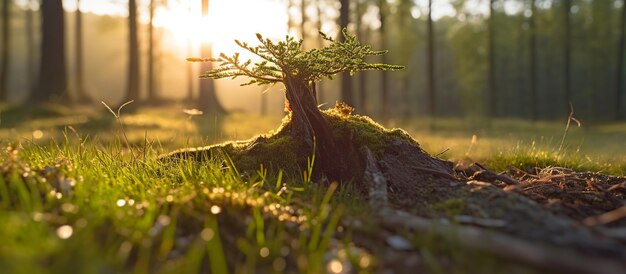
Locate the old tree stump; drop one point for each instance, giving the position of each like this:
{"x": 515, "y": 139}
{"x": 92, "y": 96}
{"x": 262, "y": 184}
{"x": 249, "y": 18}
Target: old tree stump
{"x": 408, "y": 188}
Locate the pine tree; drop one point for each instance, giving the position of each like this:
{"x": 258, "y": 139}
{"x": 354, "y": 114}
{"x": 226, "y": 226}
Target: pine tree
{"x": 286, "y": 63}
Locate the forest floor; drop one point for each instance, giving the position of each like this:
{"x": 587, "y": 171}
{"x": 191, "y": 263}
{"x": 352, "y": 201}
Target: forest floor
{"x": 82, "y": 191}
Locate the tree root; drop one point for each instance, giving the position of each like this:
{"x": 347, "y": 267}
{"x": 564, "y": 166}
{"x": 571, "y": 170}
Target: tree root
{"x": 479, "y": 239}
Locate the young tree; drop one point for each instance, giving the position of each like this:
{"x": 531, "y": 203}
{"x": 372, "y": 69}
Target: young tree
{"x": 208, "y": 101}
{"x": 286, "y": 63}
{"x": 81, "y": 93}
{"x": 6, "y": 48}
{"x": 52, "y": 84}
{"x": 132, "y": 89}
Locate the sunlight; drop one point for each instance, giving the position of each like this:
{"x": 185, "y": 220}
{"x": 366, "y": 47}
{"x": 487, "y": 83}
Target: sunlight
{"x": 226, "y": 22}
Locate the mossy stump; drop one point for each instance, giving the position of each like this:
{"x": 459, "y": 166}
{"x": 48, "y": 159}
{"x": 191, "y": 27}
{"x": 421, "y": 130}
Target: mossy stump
{"x": 285, "y": 150}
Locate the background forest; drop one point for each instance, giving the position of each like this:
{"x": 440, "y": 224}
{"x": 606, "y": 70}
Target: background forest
{"x": 464, "y": 58}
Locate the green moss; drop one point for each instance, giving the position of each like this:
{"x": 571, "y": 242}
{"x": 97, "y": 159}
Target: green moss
{"x": 281, "y": 151}
{"x": 278, "y": 152}
{"x": 363, "y": 131}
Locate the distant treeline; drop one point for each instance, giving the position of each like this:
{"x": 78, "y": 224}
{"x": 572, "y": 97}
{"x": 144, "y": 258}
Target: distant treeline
{"x": 521, "y": 58}
{"x": 493, "y": 58}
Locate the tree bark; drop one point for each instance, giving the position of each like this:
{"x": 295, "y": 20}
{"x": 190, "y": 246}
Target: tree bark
{"x": 6, "y": 48}
{"x": 81, "y": 93}
{"x": 208, "y": 101}
{"x": 132, "y": 89}
{"x": 346, "y": 80}
{"x": 620, "y": 64}
{"x": 52, "y": 84}
{"x": 310, "y": 127}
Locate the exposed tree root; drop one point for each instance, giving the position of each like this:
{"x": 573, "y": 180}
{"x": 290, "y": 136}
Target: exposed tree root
{"x": 474, "y": 238}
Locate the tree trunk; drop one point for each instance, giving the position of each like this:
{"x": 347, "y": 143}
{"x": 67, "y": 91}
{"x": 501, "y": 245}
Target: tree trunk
{"x": 310, "y": 127}
{"x": 303, "y": 19}
{"x": 362, "y": 106}
{"x": 52, "y": 84}
{"x": 30, "y": 47}
{"x": 620, "y": 64}
{"x": 533, "y": 61}
{"x": 567, "y": 50}
{"x": 382, "y": 6}
{"x": 431, "y": 63}
{"x": 491, "y": 112}
{"x": 152, "y": 96}
{"x": 132, "y": 90}
{"x": 81, "y": 93}
{"x": 346, "y": 80}
{"x": 320, "y": 44}
{"x": 208, "y": 101}
{"x": 289, "y": 17}
{"x": 6, "y": 47}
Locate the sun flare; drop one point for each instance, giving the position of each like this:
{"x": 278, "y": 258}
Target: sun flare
{"x": 222, "y": 26}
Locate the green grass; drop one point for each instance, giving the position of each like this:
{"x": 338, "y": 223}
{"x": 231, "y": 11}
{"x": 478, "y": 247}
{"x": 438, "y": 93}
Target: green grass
{"x": 74, "y": 198}
{"x": 82, "y": 207}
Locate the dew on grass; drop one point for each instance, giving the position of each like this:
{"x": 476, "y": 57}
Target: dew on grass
{"x": 69, "y": 208}
{"x": 65, "y": 231}
{"x": 335, "y": 266}
{"x": 37, "y": 134}
{"x": 163, "y": 220}
{"x": 365, "y": 261}
{"x": 279, "y": 264}
{"x": 207, "y": 234}
{"x": 121, "y": 202}
{"x": 81, "y": 223}
{"x": 37, "y": 216}
{"x": 216, "y": 209}
{"x": 264, "y": 252}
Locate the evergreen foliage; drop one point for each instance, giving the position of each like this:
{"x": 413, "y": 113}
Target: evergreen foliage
{"x": 287, "y": 58}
